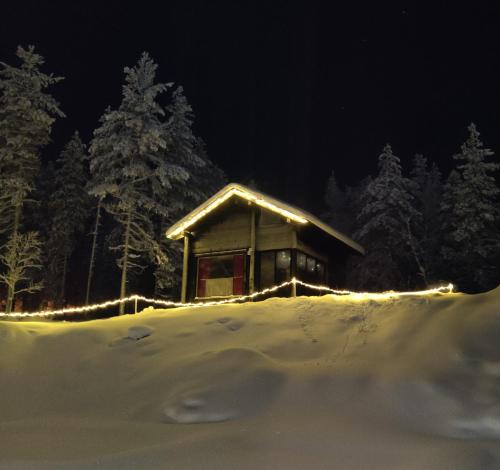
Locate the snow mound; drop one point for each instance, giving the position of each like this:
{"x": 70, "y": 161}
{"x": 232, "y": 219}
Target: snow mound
{"x": 312, "y": 382}
{"x": 222, "y": 385}
{"x": 139, "y": 332}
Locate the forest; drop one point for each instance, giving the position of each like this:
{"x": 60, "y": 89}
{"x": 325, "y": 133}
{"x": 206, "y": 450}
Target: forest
{"x": 89, "y": 225}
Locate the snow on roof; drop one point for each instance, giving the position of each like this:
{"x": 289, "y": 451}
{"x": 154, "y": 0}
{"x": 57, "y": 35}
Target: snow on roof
{"x": 283, "y": 209}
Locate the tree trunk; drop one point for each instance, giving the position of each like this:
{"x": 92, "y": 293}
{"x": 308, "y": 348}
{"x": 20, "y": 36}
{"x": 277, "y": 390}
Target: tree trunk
{"x": 10, "y": 298}
{"x": 11, "y": 289}
{"x": 421, "y": 267}
{"x": 123, "y": 284}
{"x": 63, "y": 280}
{"x": 92, "y": 253}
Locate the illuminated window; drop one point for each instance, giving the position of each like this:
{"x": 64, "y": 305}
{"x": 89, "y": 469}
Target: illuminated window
{"x": 301, "y": 261}
{"x": 275, "y": 267}
{"x": 283, "y": 262}
{"x": 311, "y": 265}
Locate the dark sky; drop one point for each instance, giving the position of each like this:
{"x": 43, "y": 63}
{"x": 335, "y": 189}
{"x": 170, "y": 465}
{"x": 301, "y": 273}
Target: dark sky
{"x": 283, "y": 91}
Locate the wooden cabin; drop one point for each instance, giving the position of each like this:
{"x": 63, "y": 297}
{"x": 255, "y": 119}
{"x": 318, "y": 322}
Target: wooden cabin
{"x": 241, "y": 241}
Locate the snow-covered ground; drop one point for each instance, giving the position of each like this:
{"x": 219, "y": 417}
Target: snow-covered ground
{"x": 305, "y": 383}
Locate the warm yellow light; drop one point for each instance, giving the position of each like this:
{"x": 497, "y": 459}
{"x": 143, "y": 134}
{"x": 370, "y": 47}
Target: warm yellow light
{"x": 168, "y": 303}
{"x": 243, "y": 194}
{"x": 263, "y": 203}
{"x": 378, "y": 295}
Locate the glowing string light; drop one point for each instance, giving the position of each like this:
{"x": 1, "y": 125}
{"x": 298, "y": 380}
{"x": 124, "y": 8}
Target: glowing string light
{"x": 242, "y": 298}
{"x": 224, "y": 197}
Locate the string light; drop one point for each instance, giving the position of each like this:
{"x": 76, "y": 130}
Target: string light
{"x": 378, "y": 295}
{"x": 242, "y": 298}
{"x": 234, "y": 191}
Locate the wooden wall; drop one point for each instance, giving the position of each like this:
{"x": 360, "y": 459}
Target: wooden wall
{"x": 230, "y": 230}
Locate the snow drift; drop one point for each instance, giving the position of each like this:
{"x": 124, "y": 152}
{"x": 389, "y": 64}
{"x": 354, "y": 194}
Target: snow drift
{"x": 318, "y": 382}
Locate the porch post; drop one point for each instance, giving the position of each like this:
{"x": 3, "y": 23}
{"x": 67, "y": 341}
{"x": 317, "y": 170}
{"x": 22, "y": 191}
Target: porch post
{"x": 251, "y": 271}
{"x": 185, "y": 267}
{"x": 293, "y": 266}
{"x": 293, "y": 270}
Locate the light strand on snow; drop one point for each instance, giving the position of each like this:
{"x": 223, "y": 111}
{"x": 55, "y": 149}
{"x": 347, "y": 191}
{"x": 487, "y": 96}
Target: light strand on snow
{"x": 242, "y": 298}
{"x": 378, "y": 295}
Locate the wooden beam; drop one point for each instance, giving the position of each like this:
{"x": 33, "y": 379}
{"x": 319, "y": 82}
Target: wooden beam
{"x": 251, "y": 271}
{"x": 185, "y": 267}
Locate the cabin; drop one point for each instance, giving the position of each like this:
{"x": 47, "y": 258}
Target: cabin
{"x": 241, "y": 241}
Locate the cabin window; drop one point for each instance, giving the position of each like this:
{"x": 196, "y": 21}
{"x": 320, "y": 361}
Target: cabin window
{"x": 221, "y": 276}
{"x": 275, "y": 267}
{"x": 320, "y": 270}
{"x": 283, "y": 263}
{"x": 267, "y": 259}
{"x": 309, "y": 269}
{"x": 301, "y": 262}
{"x": 311, "y": 266}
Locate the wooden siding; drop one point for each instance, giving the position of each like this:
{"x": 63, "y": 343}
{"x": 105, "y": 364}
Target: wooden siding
{"x": 274, "y": 237}
{"x": 228, "y": 233}
{"x": 232, "y": 231}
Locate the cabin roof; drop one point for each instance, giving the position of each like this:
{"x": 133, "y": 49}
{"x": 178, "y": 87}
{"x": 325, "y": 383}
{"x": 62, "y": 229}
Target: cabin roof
{"x": 281, "y": 208}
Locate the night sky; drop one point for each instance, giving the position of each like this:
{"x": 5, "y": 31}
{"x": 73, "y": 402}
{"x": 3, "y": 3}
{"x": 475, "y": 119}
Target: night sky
{"x": 283, "y": 92}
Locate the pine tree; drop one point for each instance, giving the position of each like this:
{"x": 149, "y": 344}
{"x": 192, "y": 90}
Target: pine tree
{"x": 451, "y": 269}
{"x": 384, "y": 224}
{"x": 27, "y": 114}
{"x": 183, "y": 151}
{"x": 69, "y": 206}
{"x": 188, "y": 151}
{"x": 209, "y": 176}
{"x": 472, "y": 216}
{"x": 131, "y": 169}
{"x": 426, "y": 190}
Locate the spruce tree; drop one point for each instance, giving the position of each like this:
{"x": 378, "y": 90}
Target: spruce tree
{"x": 131, "y": 169}
{"x": 451, "y": 268}
{"x": 188, "y": 151}
{"x": 27, "y": 113}
{"x": 69, "y": 206}
{"x": 384, "y": 224}
{"x": 426, "y": 240}
{"x": 472, "y": 216}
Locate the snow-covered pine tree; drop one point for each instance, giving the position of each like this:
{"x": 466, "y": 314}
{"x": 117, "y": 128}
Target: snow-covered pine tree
{"x": 451, "y": 264}
{"x": 183, "y": 150}
{"x": 209, "y": 177}
{"x": 427, "y": 190}
{"x": 131, "y": 170}
{"x": 27, "y": 113}
{"x": 383, "y": 222}
{"x": 471, "y": 215}
{"x": 205, "y": 178}
{"x": 69, "y": 206}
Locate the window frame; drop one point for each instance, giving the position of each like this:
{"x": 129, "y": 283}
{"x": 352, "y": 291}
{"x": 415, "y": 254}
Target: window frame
{"x": 231, "y": 253}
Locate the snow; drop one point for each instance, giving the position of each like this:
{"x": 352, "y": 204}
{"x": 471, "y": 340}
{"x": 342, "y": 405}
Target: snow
{"x": 139, "y": 331}
{"x": 312, "y": 382}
